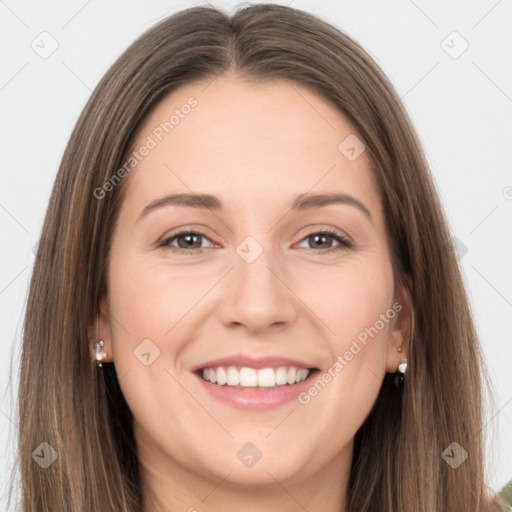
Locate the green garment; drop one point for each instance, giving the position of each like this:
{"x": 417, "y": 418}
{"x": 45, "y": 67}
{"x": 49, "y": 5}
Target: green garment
{"x": 505, "y": 497}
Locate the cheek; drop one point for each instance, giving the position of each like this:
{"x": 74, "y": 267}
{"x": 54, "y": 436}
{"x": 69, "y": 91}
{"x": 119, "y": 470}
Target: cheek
{"x": 356, "y": 305}
{"x": 146, "y": 303}
{"x": 350, "y": 299}
{"x": 148, "y": 299}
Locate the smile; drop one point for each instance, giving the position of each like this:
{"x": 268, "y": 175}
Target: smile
{"x": 251, "y": 378}
{"x": 255, "y": 389}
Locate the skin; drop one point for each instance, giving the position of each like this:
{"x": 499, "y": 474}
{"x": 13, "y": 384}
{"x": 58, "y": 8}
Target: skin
{"x": 255, "y": 146}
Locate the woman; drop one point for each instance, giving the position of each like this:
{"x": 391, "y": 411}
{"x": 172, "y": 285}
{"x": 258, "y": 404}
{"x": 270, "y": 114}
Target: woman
{"x": 250, "y": 371}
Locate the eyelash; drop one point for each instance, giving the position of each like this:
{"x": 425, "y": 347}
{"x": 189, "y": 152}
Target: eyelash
{"x": 344, "y": 242}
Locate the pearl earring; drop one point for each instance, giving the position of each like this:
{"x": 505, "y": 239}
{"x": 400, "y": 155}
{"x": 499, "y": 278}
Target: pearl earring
{"x": 402, "y": 367}
{"x": 99, "y": 354}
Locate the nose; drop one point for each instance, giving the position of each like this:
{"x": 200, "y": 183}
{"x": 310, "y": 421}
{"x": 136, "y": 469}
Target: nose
{"x": 256, "y": 295}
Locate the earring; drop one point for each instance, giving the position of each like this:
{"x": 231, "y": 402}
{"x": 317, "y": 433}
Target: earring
{"x": 402, "y": 367}
{"x": 99, "y": 354}
{"x": 399, "y": 377}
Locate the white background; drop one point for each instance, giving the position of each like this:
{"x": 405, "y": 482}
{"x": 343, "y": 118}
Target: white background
{"x": 462, "y": 109}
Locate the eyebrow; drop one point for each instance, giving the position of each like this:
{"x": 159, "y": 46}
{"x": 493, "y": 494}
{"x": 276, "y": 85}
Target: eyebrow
{"x": 301, "y": 202}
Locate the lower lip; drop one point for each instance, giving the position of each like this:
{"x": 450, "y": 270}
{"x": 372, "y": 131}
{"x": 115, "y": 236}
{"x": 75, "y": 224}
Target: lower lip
{"x": 257, "y": 399}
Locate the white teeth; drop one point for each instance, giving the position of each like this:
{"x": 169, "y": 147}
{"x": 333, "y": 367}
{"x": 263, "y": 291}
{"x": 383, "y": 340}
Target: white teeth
{"x": 302, "y": 375}
{"x": 221, "y": 376}
{"x": 233, "y": 376}
{"x": 266, "y": 377}
{"x": 292, "y": 373}
{"x": 250, "y": 377}
{"x": 281, "y": 376}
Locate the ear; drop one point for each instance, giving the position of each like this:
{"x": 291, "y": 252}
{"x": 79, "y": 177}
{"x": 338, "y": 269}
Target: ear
{"x": 401, "y": 328}
{"x": 100, "y": 330}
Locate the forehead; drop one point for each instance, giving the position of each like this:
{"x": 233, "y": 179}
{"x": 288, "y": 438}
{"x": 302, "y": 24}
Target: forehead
{"x": 249, "y": 143}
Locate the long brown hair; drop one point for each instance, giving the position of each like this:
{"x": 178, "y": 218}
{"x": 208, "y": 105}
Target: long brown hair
{"x": 81, "y": 413}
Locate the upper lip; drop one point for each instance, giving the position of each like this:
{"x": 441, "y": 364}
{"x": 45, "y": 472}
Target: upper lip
{"x": 245, "y": 360}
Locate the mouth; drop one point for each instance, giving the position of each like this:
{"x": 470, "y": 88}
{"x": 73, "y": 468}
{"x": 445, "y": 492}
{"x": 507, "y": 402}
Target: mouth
{"x": 253, "y": 379}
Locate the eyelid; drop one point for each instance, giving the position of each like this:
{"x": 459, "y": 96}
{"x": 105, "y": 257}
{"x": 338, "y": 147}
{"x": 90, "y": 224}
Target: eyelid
{"x": 344, "y": 240}
{"x": 328, "y": 229}
{"x": 162, "y": 242}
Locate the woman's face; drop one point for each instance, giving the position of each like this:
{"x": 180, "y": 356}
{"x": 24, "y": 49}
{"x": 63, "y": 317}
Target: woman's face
{"x": 257, "y": 278}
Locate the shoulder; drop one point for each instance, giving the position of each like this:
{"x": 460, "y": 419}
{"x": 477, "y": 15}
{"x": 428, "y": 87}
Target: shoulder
{"x": 504, "y": 497}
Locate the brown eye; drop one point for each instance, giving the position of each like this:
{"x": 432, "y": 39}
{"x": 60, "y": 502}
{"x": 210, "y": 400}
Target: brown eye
{"x": 317, "y": 241}
{"x": 187, "y": 241}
